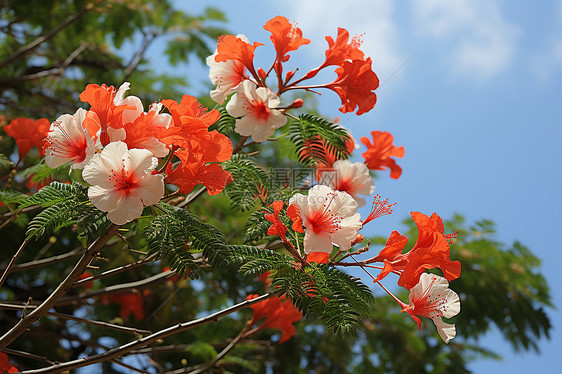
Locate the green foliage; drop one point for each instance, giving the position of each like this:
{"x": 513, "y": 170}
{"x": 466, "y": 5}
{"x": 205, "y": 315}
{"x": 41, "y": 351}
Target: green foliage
{"x": 226, "y": 122}
{"x": 5, "y": 162}
{"x": 253, "y": 261}
{"x": 249, "y": 182}
{"x": 176, "y": 234}
{"x": 65, "y": 205}
{"x": 312, "y": 135}
{"x": 507, "y": 277}
{"x": 256, "y": 227}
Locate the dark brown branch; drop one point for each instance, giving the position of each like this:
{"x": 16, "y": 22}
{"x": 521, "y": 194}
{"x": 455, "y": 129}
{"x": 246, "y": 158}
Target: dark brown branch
{"x": 47, "y": 261}
{"x": 116, "y": 270}
{"x": 37, "y": 42}
{"x": 13, "y": 260}
{"x": 59, "y": 292}
{"x": 119, "y": 288}
{"x": 58, "y": 70}
{"x": 130, "y": 330}
{"x": 137, "y": 58}
{"x": 122, "y": 350}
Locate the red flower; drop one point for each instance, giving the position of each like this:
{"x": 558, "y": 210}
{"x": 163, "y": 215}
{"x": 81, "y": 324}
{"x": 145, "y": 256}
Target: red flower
{"x": 379, "y": 153}
{"x": 85, "y": 275}
{"x": 131, "y": 303}
{"x": 279, "y": 314}
{"x": 232, "y": 48}
{"x": 28, "y": 134}
{"x": 188, "y": 175}
{"x": 278, "y": 228}
{"x": 339, "y": 51}
{"x": 319, "y": 257}
{"x": 355, "y": 85}
{"x": 285, "y": 38}
{"x": 5, "y": 366}
{"x": 430, "y": 251}
{"x": 294, "y": 214}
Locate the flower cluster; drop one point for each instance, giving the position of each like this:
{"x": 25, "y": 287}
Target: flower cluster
{"x": 118, "y": 145}
{"x": 256, "y": 106}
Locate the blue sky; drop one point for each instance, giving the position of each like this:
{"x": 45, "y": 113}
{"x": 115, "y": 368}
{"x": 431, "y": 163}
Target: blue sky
{"x": 472, "y": 90}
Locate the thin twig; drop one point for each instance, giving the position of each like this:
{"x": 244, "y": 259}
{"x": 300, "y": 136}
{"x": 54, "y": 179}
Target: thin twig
{"x": 130, "y": 330}
{"x": 222, "y": 353}
{"x": 119, "y": 288}
{"x": 116, "y": 270}
{"x": 126, "y": 348}
{"x": 27, "y": 355}
{"x": 148, "y": 38}
{"x": 13, "y": 261}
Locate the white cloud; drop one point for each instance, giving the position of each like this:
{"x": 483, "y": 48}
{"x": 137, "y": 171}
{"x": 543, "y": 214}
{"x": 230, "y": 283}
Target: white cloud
{"x": 479, "y": 41}
{"x": 318, "y": 18}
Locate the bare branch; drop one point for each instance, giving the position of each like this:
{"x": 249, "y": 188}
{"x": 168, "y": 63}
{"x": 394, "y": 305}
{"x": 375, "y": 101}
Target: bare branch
{"x": 13, "y": 260}
{"x": 130, "y": 330}
{"x": 137, "y": 58}
{"x": 62, "y": 289}
{"x": 116, "y": 270}
{"x": 122, "y": 350}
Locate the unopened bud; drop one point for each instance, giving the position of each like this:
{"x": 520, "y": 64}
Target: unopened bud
{"x": 296, "y": 104}
{"x": 358, "y": 239}
{"x": 262, "y": 74}
{"x": 290, "y": 75}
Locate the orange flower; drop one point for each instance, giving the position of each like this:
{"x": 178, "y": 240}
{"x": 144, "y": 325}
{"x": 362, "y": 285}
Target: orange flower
{"x": 278, "y": 228}
{"x": 285, "y": 38}
{"x": 86, "y": 275}
{"x": 5, "y": 366}
{"x": 187, "y": 175}
{"x": 430, "y": 251}
{"x": 232, "y": 48}
{"x": 379, "y": 153}
{"x": 279, "y": 314}
{"x": 104, "y": 112}
{"x": 319, "y": 257}
{"x": 28, "y": 134}
{"x": 355, "y": 85}
{"x": 339, "y": 51}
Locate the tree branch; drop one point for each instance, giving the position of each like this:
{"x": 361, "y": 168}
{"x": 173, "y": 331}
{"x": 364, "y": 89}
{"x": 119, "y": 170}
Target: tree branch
{"x": 37, "y": 42}
{"x": 66, "y": 285}
{"x": 120, "y": 351}
{"x": 130, "y": 330}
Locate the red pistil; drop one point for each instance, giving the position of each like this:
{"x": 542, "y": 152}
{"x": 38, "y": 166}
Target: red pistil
{"x": 379, "y": 208}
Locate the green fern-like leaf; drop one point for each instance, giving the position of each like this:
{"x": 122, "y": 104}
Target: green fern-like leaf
{"x": 5, "y": 162}
{"x": 177, "y": 233}
{"x": 9, "y": 196}
{"x": 248, "y": 182}
{"x": 253, "y": 261}
{"x": 311, "y": 135}
{"x": 54, "y": 193}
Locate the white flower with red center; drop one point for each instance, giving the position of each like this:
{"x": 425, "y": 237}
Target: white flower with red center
{"x": 432, "y": 298}
{"x": 67, "y": 141}
{"x": 256, "y": 106}
{"x": 350, "y": 177}
{"x": 227, "y": 75}
{"x": 329, "y": 217}
{"x": 122, "y": 182}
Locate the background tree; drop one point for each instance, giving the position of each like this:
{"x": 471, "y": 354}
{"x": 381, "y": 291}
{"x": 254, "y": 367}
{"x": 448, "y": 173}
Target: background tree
{"x": 50, "y": 51}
